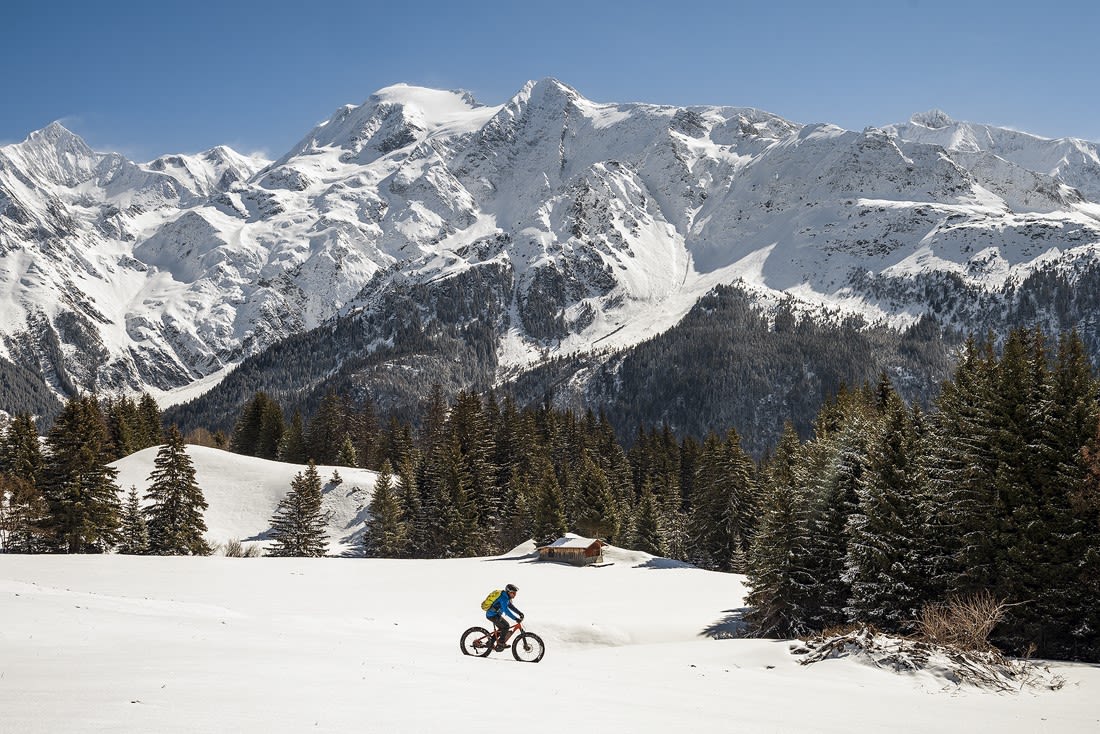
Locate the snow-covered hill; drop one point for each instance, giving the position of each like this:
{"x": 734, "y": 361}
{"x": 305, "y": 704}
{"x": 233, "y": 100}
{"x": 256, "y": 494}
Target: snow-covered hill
{"x": 242, "y": 492}
{"x": 598, "y": 225}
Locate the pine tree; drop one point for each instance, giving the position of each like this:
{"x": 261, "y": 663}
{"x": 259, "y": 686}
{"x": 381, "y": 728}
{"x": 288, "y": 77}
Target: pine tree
{"x": 124, "y": 427}
{"x": 298, "y": 525}
{"x": 386, "y": 535}
{"x": 408, "y": 493}
{"x": 884, "y": 559}
{"x": 292, "y": 444}
{"x": 248, "y": 438}
{"x": 134, "y": 538}
{"x": 721, "y": 523}
{"x": 174, "y": 513}
{"x": 550, "y": 515}
{"x": 150, "y": 426}
{"x": 597, "y": 511}
{"x": 272, "y": 427}
{"x": 23, "y": 511}
{"x": 347, "y": 456}
{"x": 648, "y": 534}
{"x": 77, "y": 483}
{"x": 836, "y": 463}
{"x": 777, "y": 574}
{"x": 326, "y": 430}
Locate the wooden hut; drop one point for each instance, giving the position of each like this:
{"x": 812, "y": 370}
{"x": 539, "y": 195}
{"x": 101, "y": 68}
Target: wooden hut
{"x": 573, "y": 549}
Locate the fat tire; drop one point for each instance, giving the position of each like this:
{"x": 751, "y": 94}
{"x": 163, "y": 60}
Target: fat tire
{"x": 466, "y": 642}
{"x": 527, "y": 647}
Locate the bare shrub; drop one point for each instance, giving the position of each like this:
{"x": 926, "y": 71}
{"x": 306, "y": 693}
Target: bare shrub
{"x": 233, "y": 548}
{"x": 963, "y": 622}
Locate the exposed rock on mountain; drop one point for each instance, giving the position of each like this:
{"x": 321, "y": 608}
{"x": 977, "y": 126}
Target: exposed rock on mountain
{"x": 548, "y": 226}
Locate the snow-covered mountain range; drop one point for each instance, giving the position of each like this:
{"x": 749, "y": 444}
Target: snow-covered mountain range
{"x": 600, "y": 225}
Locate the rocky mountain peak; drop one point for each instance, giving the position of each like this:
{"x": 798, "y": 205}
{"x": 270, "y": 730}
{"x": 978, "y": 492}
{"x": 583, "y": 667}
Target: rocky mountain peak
{"x": 934, "y": 119}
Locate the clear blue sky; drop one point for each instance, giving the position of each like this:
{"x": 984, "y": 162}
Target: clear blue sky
{"x": 148, "y": 78}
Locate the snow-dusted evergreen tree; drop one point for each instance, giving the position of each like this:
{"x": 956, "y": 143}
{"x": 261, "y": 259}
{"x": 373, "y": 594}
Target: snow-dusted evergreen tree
{"x": 77, "y": 482}
{"x": 1056, "y": 536}
{"x": 457, "y": 531}
{"x": 958, "y": 467}
{"x": 416, "y": 524}
{"x": 260, "y": 428}
{"x": 292, "y": 445}
{"x": 777, "y": 572}
{"x": 835, "y": 466}
{"x": 23, "y": 510}
{"x": 347, "y": 456}
{"x": 1086, "y": 503}
{"x": 175, "y": 503}
{"x": 597, "y": 511}
{"x": 468, "y": 425}
{"x": 723, "y": 507}
{"x": 386, "y": 534}
{"x": 550, "y": 521}
{"x": 298, "y": 525}
{"x": 648, "y": 534}
{"x": 134, "y": 538}
{"x": 151, "y": 429}
{"x": 520, "y": 507}
{"x": 886, "y": 531}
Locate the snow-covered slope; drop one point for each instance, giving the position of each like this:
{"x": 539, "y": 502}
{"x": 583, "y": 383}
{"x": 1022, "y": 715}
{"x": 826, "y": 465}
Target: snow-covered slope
{"x": 599, "y": 225}
{"x": 272, "y": 645}
{"x": 242, "y": 492}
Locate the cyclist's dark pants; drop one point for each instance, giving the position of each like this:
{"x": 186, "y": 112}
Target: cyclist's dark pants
{"x": 502, "y": 625}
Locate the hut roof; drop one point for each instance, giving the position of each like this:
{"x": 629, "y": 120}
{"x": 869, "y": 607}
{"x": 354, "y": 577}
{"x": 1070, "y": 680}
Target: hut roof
{"x": 569, "y": 540}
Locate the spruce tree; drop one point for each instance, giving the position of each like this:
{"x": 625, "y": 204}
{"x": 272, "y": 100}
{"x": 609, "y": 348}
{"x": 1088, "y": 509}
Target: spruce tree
{"x": 298, "y": 525}
{"x": 884, "y": 559}
{"x": 134, "y": 538}
{"x": 776, "y": 573}
{"x": 347, "y": 456}
{"x": 77, "y": 483}
{"x": 292, "y": 444}
{"x": 248, "y": 432}
{"x": 597, "y": 511}
{"x": 326, "y": 430}
{"x": 386, "y": 534}
{"x": 416, "y": 526}
{"x": 175, "y": 503}
{"x": 150, "y": 426}
{"x": 648, "y": 534}
{"x": 23, "y": 511}
{"x": 550, "y": 515}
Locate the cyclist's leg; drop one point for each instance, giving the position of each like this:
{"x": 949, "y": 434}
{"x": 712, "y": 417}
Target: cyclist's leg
{"x": 502, "y": 630}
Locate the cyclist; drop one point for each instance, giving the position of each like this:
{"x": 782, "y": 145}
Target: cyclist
{"x": 501, "y": 607}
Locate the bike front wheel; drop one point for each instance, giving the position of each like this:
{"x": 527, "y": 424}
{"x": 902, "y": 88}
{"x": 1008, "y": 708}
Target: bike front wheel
{"x": 475, "y": 641}
{"x": 527, "y": 647}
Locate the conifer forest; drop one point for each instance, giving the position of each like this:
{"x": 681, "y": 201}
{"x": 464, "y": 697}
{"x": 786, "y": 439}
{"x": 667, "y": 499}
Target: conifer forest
{"x": 883, "y": 508}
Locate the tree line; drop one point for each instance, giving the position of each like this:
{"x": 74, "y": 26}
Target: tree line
{"x": 882, "y": 508}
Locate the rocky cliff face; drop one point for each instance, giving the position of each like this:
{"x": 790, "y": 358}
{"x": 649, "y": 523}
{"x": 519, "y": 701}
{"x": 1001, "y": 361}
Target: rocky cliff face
{"x": 598, "y": 225}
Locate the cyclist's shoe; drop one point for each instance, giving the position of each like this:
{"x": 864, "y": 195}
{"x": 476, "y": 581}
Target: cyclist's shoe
{"x": 500, "y": 647}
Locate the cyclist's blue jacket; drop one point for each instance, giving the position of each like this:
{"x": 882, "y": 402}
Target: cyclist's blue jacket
{"x": 503, "y": 606}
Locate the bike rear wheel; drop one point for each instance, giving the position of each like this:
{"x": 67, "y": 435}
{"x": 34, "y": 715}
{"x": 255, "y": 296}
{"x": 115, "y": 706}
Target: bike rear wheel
{"x": 475, "y": 641}
{"x": 527, "y": 647}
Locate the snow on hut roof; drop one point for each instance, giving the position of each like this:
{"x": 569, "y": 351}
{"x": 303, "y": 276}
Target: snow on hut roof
{"x": 569, "y": 540}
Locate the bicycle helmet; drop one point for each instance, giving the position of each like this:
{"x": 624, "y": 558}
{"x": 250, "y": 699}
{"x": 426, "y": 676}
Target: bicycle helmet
{"x": 511, "y": 588}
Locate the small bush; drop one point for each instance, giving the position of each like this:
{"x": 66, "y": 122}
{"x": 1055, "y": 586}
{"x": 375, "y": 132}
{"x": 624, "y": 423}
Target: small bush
{"x": 233, "y": 548}
{"x": 964, "y": 622}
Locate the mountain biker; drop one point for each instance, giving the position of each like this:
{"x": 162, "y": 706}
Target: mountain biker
{"x": 501, "y": 607}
